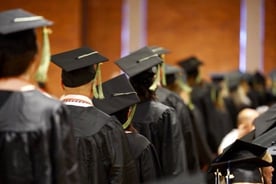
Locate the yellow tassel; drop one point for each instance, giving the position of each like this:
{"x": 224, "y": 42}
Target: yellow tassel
{"x": 130, "y": 117}
{"x": 41, "y": 75}
{"x": 98, "y": 92}
{"x": 156, "y": 81}
{"x": 163, "y": 73}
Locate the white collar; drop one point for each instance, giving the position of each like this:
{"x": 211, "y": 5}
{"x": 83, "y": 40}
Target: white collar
{"x": 77, "y": 100}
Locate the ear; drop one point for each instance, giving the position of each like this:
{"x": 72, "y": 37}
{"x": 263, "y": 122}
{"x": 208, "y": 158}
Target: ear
{"x": 62, "y": 85}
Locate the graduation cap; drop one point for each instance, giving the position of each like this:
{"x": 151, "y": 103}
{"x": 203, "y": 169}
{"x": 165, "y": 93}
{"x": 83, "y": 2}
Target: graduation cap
{"x": 241, "y": 162}
{"x": 140, "y": 61}
{"x": 19, "y": 20}
{"x": 172, "y": 72}
{"x": 159, "y": 50}
{"x": 78, "y": 67}
{"x": 217, "y": 77}
{"x": 119, "y": 94}
{"x": 190, "y": 64}
{"x": 268, "y": 140}
{"x": 233, "y": 79}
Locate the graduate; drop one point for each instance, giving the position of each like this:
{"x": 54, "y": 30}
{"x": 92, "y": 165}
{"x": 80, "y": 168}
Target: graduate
{"x": 201, "y": 98}
{"x": 102, "y": 147}
{"x": 153, "y": 119}
{"x": 120, "y": 102}
{"x": 176, "y": 83}
{"x": 242, "y": 162}
{"x": 36, "y": 137}
{"x": 173, "y": 100}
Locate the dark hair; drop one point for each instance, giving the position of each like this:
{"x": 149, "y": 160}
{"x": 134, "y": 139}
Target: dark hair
{"x": 17, "y": 52}
{"x": 122, "y": 116}
{"x": 193, "y": 73}
{"x": 141, "y": 84}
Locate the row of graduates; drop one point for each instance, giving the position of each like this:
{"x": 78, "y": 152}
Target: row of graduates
{"x": 122, "y": 132}
{"x": 134, "y": 130}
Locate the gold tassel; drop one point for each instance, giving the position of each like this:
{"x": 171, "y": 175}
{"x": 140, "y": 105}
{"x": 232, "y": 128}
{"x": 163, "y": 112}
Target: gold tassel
{"x": 156, "y": 81}
{"x": 163, "y": 73}
{"x": 41, "y": 74}
{"x": 98, "y": 92}
{"x": 130, "y": 117}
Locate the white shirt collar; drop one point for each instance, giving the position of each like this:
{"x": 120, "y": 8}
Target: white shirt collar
{"x": 77, "y": 100}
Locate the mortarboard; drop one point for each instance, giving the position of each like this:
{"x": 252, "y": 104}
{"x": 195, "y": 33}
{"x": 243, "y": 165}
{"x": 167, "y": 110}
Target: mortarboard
{"x": 78, "y": 67}
{"x": 190, "y": 64}
{"x": 16, "y": 20}
{"x": 139, "y": 61}
{"x": 233, "y": 79}
{"x": 119, "y": 94}
{"x": 159, "y": 50}
{"x": 217, "y": 77}
{"x": 242, "y": 161}
{"x": 172, "y": 73}
{"x": 268, "y": 140}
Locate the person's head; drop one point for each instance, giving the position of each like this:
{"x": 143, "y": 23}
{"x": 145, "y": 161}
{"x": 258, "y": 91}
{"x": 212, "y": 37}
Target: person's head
{"x": 120, "y": 99}
{"x": 142, "y": 83}
{"x": 144, "y": 69}
{"x": 242, "y": 161}
{"x": 79, "y": 67}
{"x": 191, "y": 67}
{"x": 18, "y": 42}
{"x": 245, "y": 120}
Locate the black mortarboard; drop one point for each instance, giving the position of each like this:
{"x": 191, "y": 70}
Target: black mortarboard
{"x": 190, "y": 64}
{"x": 217, "y": 77}
{"x": 242, "y": 159}
{"x": 172, "y": 73}
{"x": 172, "y": 70}
{"x": 159, "y": 50}
{"x": 17, "y": 20}
{"x": 139, "y": 61}
{"x": 233, "y": 79}
{"x": 119, "y": 94}
{"x": 78, "y": 65}
{"x": 268, "y": 139}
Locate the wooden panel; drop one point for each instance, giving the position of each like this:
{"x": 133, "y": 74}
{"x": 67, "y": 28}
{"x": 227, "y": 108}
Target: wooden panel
{"x": 270, "y": 36}
{"x": 208, "y": 30}
{"x": 103, "y": 23}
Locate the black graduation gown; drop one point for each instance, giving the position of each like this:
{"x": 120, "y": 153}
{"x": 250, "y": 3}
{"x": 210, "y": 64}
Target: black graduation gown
{"x": 103, "y": 151}
{"x": 157, "y": 122}
{"x": 146, "y": 158}
{"x": 201, "y": 98}
{"x": 171, "y": 99}
{"x": 205, "y": 154}
{"x": 36, "y": 142}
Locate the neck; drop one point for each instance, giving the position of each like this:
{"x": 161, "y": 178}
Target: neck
{"x": 84, "y": 90}
{"x": 15, "y": 83}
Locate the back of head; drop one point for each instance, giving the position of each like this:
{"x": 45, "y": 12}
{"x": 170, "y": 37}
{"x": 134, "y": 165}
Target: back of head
{"x": 142, "y": 83}
{"x": 18, "y": 40}
{"x": 246, "y": 119}
{"x": 17, "y": 52}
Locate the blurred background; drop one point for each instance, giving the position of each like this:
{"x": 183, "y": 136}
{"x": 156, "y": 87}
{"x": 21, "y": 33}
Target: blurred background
{"x": 224, "y": 34}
